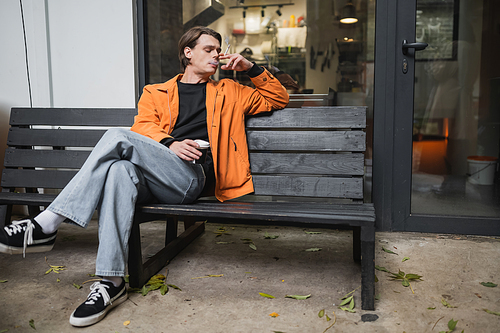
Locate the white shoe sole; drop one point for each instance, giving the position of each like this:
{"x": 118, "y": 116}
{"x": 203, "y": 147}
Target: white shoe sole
{"x": 80, "y": 322}
{"x": 30, "y": 249}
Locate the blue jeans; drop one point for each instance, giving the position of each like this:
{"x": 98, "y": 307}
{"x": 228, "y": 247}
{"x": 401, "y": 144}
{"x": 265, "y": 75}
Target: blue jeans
{"x": 125, "y": 168}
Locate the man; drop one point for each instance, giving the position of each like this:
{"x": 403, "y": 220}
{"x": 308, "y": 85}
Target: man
{"x": 153, "y": 162}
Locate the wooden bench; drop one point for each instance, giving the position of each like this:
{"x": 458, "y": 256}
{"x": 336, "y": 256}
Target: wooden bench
{"x": 307, "y": 165}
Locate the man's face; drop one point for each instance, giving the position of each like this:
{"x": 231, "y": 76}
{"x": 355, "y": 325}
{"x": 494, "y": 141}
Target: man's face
{"x": 204, "y": 57}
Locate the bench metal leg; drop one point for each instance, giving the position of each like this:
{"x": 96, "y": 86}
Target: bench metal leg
{"x": 356, "y": 244}
{"x": 368, "y": 267}
{"x": 5, "y": 215}
{"x": 141, "y": 272}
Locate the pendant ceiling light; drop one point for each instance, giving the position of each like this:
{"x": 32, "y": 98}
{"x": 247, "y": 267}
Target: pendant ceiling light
{"x": 348, "y": 14}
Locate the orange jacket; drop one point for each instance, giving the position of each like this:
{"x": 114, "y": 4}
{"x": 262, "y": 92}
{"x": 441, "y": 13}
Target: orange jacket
{"x": 227, "y": 104}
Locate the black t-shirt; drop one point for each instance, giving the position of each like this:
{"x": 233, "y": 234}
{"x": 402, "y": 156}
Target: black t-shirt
{"x": 192, "y": 122}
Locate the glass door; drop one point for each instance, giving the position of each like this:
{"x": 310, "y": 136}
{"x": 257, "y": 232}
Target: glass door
{"x": 445, "y": 117}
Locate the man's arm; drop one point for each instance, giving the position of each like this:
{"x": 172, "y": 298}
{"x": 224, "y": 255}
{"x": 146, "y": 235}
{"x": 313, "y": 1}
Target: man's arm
{"x": 268, "y": 94}
{"x": 147, "y": 121}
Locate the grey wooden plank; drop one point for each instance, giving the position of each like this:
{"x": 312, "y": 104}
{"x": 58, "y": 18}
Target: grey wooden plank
{"x": 254, "y": 211}
{"x": 307, "y": 140}
{"x": 72, "y": 159}
{"x": 331, "y": 187}
{"x": 34, "y": 199}
{"x": 312, "y": 117}
{"x": 36, "y": 178}
{"x": 53, "y": 137}
{"x": 307, "y": 164}
{"x": 73, "y": 116}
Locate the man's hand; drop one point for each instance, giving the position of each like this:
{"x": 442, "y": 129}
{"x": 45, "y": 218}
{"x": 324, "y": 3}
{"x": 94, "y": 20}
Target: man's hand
{"x": 236, "y": 62}
{"x": 186, "y": 149}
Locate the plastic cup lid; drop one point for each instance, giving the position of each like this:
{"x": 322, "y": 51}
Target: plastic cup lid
{"x": 202, "y": 143}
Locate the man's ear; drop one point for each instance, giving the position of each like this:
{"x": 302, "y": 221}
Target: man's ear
{"x": 188, "y": 52}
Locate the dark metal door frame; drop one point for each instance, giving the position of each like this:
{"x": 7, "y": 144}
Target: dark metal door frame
{"x": 393, "y": 127}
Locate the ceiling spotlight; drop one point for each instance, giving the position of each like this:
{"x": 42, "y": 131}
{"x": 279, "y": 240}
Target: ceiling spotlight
{"x": 278, "y": 11}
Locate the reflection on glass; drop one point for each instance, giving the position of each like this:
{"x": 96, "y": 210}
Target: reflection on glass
{"x": 302, "y": 42}
{"x": 456, "y": 134}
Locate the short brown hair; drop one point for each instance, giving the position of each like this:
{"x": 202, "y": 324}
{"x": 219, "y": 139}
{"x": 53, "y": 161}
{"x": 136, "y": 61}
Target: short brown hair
{"x": 190, "y": 39}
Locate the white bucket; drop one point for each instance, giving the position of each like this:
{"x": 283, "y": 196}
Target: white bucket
{"x": 481, "y": 169}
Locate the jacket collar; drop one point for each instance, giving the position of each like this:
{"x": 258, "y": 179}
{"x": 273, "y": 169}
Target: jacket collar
{"x": 172, "y": 83}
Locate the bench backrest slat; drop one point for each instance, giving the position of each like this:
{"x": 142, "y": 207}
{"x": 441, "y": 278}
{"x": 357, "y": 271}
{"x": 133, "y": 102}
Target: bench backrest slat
{"x": 297, "y": 186}
{"x": 307, "y": 140}
{"x": 53, "y": 137}
{"x": 36, "y": 178}
{"x": 312, "y": 118}
{"x": 72, "y": 116}
{"x": 30, "y": 158}
{"x": 304, "y": 152}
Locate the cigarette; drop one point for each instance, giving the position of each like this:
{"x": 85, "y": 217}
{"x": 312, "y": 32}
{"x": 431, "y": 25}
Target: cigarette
{"x": 228, "y": 45}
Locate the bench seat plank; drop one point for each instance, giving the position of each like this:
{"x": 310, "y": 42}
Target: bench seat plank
{"x": 354, "y": 215}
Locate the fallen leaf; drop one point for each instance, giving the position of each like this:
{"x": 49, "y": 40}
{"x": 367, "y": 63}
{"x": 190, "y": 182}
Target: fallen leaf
{"x": 126, "y": 323}
{"x": 429, "y": 308}
{"x": 477, "y": 295}
{"x": 347, "y": 300}
{"x": 5, "y": 330}
{"x": 313, "y": 249}
{"x": 348, "y": 310}
{"x": 207, "y": 276}
{"x": 126, "y": 278}
{"x": 164, "y": 289}
{"x": 491, "y": 312}
{"x": 252, "y": 246}
{"x": 321, "y": 313}
{"x": 448, "y": 305}
{"x": 489, "y": 284}
{"x": 175, "y": 287}
{"x": 32, "y": 324}
{"x": 246, "y": 239}
{"x": 274, "y": 315}
{"x": 58, "y": 280}
{"x": 389, "y": 251}
{"x": 267, "y": 236}
{"x": 327, "y": 318}
{"x": 452, "y": 324}
{"x": 144, "y": 290}
{"x": 298, "y": 296}
{"x": 77, "y": 286}
{"x": 312, "y": 232}
{"x": 383, "y": 269}
{"x": 3, "y": 281}
{"x": 266, "y": 295}
{"x": 405, "y": 258}
{"x": 224, "y": 242}
{"x": 377, "y": 297}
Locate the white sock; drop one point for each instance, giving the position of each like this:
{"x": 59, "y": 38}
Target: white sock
{"x": 115, "y": 280}
{"x": 49, "y": 221}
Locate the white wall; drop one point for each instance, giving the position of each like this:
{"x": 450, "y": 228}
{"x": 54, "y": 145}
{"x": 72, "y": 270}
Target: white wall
{"x": 80, "y": 53}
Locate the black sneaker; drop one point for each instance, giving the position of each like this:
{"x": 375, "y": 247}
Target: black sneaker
{"x": 25, "y": 236}
{"x": 103, "y": 297}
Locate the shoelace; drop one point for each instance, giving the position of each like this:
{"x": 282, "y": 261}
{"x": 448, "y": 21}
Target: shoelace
{"x": 97, "y": 289}
{"x": 16, "y": 227}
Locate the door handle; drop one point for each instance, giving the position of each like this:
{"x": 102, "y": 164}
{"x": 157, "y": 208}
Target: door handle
{"x": 416, "y": 46}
